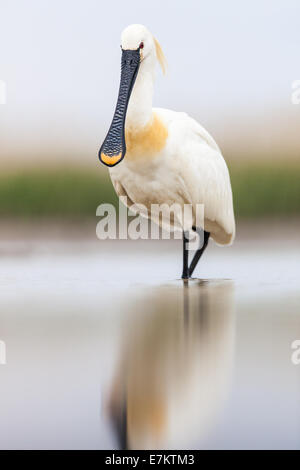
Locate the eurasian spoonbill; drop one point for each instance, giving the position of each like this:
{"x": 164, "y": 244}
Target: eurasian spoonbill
{"x": 170, "y": 158}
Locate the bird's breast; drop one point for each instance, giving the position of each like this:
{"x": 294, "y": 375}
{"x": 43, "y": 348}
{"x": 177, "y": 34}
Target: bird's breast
{"x": 146, "y": 142}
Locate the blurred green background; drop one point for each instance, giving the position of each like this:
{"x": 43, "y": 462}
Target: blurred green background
{"x": 259, "y": 190}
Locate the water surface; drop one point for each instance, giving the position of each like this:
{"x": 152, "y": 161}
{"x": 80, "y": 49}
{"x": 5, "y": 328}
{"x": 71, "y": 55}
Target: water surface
{"x": 106, "y": 348}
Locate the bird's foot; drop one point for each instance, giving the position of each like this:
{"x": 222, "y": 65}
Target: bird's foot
{"x": 185, "y": 275}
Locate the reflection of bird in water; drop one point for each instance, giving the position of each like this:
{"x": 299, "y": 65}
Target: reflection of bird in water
{"x": 174, "y": 367}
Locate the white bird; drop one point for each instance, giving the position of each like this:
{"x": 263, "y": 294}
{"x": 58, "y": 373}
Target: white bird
{"x": 169, "y": 157}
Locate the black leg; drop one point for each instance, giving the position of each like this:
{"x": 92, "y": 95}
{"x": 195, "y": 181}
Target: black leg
{"x": 185, "y": 271}
{"x": 199, "y": 252}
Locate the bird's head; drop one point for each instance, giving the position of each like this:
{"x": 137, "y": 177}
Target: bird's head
{"x": 139, "y": 50}
{"x": 137, "y": 37}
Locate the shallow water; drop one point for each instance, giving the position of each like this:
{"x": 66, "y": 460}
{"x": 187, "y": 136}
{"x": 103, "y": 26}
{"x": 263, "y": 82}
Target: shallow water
{"x": 105, "y": 348}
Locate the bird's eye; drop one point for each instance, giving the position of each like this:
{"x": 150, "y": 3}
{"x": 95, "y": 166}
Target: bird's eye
{"x": 141, "y": 45}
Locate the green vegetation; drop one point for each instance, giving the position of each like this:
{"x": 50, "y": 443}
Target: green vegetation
{"x": 267, "y": 189}
{"x": 55, "y": 192}
{"x": 259, "y": 190}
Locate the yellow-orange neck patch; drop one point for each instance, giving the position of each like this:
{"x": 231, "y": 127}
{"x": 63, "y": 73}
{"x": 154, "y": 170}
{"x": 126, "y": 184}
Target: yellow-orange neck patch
{"x": 146, "y": 141}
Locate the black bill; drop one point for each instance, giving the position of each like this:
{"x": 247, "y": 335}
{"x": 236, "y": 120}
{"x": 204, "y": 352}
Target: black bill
{"x": 113, "y": 148}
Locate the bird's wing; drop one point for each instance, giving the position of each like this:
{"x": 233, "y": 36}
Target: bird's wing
{"x": 216, "y": 187}
{"x": 205, "y": 174}
{"x": 170, "y": 117}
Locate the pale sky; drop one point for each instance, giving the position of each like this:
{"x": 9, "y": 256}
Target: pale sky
{"x": 230, "y": 63}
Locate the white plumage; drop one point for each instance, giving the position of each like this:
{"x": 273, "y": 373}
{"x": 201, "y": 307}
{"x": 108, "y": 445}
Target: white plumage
{"x": 170, "y": 158}
{"x": 189, "y": 169}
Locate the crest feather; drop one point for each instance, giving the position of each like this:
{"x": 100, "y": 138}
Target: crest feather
{"x": 160, "y": 55}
